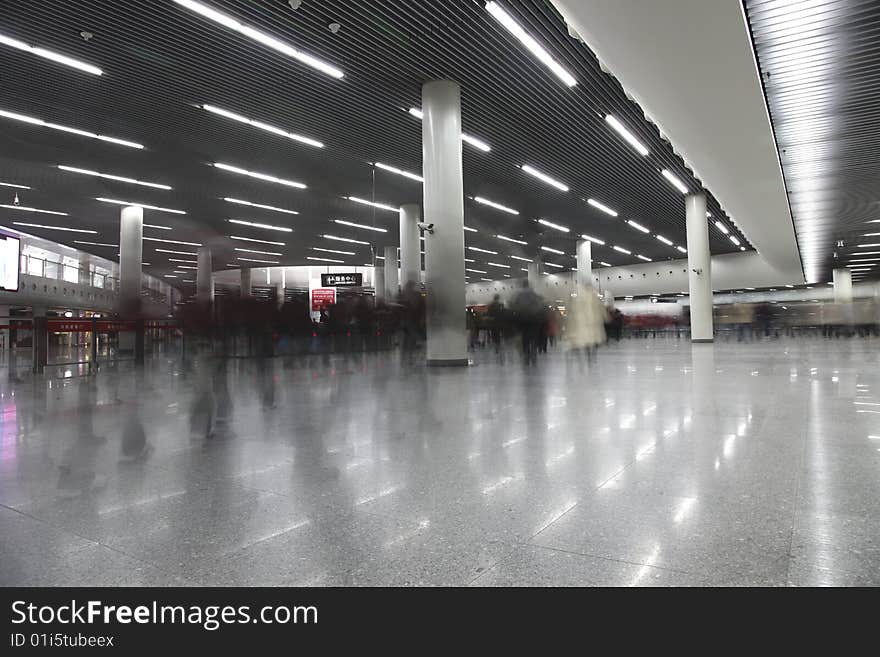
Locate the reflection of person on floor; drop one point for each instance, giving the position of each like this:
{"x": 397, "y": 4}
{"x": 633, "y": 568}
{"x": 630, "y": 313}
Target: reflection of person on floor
{"x": 78, "y": 468}
{"x": 202, "y": 418}
{"x": 134, "y": 439}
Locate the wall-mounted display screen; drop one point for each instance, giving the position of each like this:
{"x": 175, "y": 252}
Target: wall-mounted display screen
{"x": 9, "y": 262}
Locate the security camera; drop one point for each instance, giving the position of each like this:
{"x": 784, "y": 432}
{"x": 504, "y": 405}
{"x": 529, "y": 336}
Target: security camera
{"x": 334, "y": 27}
{"x": 426, "y": 228}
{"x": 87, "y": 36}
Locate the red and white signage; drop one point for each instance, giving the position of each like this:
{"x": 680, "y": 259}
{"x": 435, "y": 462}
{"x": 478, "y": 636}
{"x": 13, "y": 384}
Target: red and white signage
{"x": 322, "y": 297}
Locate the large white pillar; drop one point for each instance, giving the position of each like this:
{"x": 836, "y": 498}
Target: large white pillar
{"x": 245, "y": 286}
{"x": 699, "y": 268}
{"x": 391, "y": 289}
{"x": 410, "y": 248}
{"x": 131, "y": 246}
{"x": 843, "y": 291}
{"x": 584, "y": 263}
{"x": 536, "y": 269}
{"x": 204, "y": 277}
{"x": 444, "y": 207}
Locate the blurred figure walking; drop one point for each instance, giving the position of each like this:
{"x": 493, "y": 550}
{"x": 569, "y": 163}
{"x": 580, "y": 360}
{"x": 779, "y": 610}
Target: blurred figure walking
{"x": 528, "y": 311}
{"x": 586, "y": 323}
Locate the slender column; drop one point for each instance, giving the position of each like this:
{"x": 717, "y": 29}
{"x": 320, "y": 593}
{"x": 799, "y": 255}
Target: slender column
{"x": 245, "y": 287}
{"x": 536, "y": 269}
{"x": 40, "y": 339}
{"x": 843, "y": 292}
{"x": 410, "y": 249}
{"x": 584, "y": 263}
{"x": 131, "y": 246}
{"x": 391, "y": 287}
{"x": 444, "y": 207}
{"x": 379, "y": 281}
{"x": 699, "y": 268}
{"x": 279, "y": 293}
{"x": 204, "y": 277}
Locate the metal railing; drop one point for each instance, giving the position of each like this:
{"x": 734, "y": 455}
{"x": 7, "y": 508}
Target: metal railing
{"x": 59, "y": 271}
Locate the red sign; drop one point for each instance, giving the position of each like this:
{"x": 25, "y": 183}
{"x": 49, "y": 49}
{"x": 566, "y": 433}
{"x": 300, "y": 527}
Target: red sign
{"x": 322, "y": 297}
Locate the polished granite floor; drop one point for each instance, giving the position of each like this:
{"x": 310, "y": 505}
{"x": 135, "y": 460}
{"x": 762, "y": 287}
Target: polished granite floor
{"x": 662, "y": 464}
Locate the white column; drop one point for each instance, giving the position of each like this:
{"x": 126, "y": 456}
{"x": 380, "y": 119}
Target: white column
{"x": 204, "y": 277}
{"x": 536, "y": 269}
{"x": 279, "y": 293}
{"x": 444, "y": 207}
{"x": 391, "y": 288}
{"x": 699, "y": 268}
{"x": 379, "y": 281}
{"x": 410, "y": 247}
{"x": 584, "y": 263}
{"x": 843, "y": 292}
{"x": 245, "y": 286}
{"x": 131, "y": 233}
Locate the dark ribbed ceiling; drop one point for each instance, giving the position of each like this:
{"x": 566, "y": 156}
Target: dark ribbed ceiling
{"x": 820, "y": 65}
{"x": 161, "y": 62}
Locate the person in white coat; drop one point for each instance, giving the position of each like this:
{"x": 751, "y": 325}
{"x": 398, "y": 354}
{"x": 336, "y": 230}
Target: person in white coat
{"x": 586, "y": 322}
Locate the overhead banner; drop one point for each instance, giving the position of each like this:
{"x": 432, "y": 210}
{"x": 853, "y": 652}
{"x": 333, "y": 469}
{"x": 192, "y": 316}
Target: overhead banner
{"x": 342, "y": 280}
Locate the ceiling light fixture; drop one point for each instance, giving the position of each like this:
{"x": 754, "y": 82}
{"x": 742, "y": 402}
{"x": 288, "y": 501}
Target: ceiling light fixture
{"x": 109, "y": 176}
{"x": 471, "y": 230}
{"x": 400, "y": 172}
{"x": 259, "y": 176}
{"x": 5, "y": 184}
{"x": 550, "y": 224}
{"x": 543, "y": 177}
{"x": 622, "y": 250}
{"x": 476, "y": 271}
{"x": 553, "y": 264}
{"x": 48, "y": 54}
{"x": 157, "y": 226}
{"x": 115, "y": 246}
{"x": 681, "y": 248}
{"x": 261, "y": 37}
{"x": 325, "y": 260}
{"x": 664, "y": 240}
{"x": 641, "y": 257}
{"x": 266, "y": 262}
{"x": 363, "y": 226}
{"x": 317, "y": 248}
{"x": 139, "y": 205}
{"x": 734, "y": 240}
{"x": 498, "y": 264}
{"x": 343, "y": 239}
{"x": 76, "y": 131}
{"x": 27, "y": 209}
{"x": 629, "y": 137}
{"x": 530, "y": 43}
{"x": 602, "y": 207}
{"x": 721, "y": 227}
{"x": 594, "y": 240}
{"x": 470, "y": 139}
{"x": 258, "y": 205}
{"x": 510, "y": 239}
{"x": 637, "y": 226}
{"x": 255, "y": 241}
{"x": 479, "y": 250}
{"x": 263, "y": 126}
{"x": 493, "y": 204}
{"x": 254, "y": 224}
{"x": 364, "y": 201}
{"x": 674, "y": 180}
{"x": 64, "y": 228}
{"x": 547, "y": 248}
{"x": 520, "y": 258}
{"x": 176, "y": 252}
{"x": 257, "y": 252}
{"x": 187, "y": 262}
{"x": 157, "y": 239}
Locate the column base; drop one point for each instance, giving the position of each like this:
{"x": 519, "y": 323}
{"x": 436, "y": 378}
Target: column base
{"x": 703, "y": 340}
{"x": 448, "y": 362}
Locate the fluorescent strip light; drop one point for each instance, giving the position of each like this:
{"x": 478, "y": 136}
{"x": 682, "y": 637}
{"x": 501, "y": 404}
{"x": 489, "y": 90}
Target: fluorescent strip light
{"x": 4, "y": 184}
{"x": 742, "y": 248}
{"x": 114, "y": 246}
{"x": 638, "y": 226}
{"x": 674, "y": 180}
{"x": 621, "y": 250}
{"x": 381, "y": 206}
{"x": 187, "y": 262}
{"x": 594, "y": 240}
{"x": 510, "y": 239}
{"x": 48, "y": 54}
{"x": 530, "y": 43}
{"x": 866, "y": 246}
{"x": 641, "y": 257}
{"x": 664, "y": 240}
{"x": 477, "y": 271}
{"x": 258, "y": 252}
{"x": 169, "y": 276}
{"x": 865, "y": 260}
{"x": 469, "y": 139}
{"x": 317, "y": 248}
{"x": 324, "y": 259}
{"x": 261, "y": 37}
{"x": 263, "y": 126}
{"x": 251, "y": 239}
{"x": 266, "y": 262}
{"x": 156, "y": 239}
{"x": 259, "y": 205}
{"x": 69, "y": 230}
{"x": 343, "y": 239}
{"x": 471, "y": 230}
{"x": 498, "y": 264}
{"x": 259, "y": 176}
{"x": 469, "y": 260}
{"x": 140, "y": 205}
{"x": 493, "y": 204}
{"x": 109, "y": 176}
{"x": 550, "y": 224}
{"x": 544, "y": 177}
{"x": 604, "y": 264}
{"x": 682, "y": 249}
{"x": 253, "y": 224}
{"x": 734, "y": 240}
{"x": 400, "y": 172}
{"x": 870, "y": 234}
{"x": 721, "y": 227}
{"x": 27, "y": 209}
{"x": 176, "y": 252}
{"x": 479, "y": 250}
{"x": 600, "y": 206}
{"x": 55, "y": 126}
{"x": 520, "y": 258}
{"x": 547, "y": 248}
{"x": 363, "y": 226}
{"x": 553, "y": 264}
{"x": 157, "y": 227}
{"x": 629, "y": 137}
